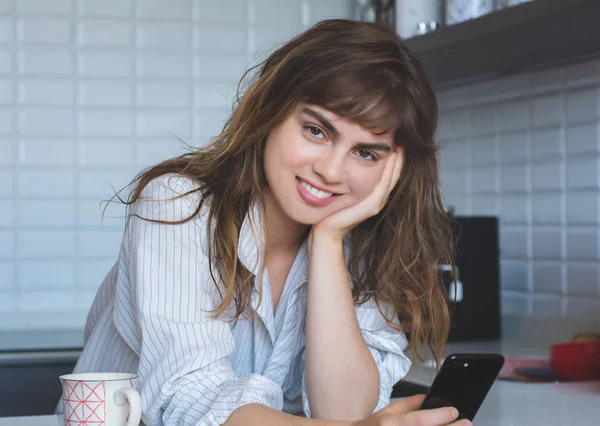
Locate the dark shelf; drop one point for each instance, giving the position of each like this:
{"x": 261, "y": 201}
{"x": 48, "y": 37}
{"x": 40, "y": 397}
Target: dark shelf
{"x": 538, "y": 34}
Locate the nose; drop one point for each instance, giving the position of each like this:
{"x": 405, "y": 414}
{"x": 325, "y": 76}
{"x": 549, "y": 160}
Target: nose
{"x": 330, "y": 167}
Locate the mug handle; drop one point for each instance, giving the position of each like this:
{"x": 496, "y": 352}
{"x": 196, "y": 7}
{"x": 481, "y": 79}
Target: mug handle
{"x": 135, "y": 404}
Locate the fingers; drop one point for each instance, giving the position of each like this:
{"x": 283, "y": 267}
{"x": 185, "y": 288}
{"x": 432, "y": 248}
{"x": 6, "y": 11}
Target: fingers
{"x": 388, "y": 171}
{"x": 397, "y": 169}
{"x": 433, "y": 417}
{"x": 398, "y": 160}
{"x": 406, "y": 405}
{"x": 463, "y": 422}
{"x": 377, "y": 198}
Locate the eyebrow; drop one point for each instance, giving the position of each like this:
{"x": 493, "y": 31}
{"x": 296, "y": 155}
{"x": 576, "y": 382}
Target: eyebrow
{"x": 323, "y": 121}
{"x": 335, "y": 134}
{"x": 373, "y": 146}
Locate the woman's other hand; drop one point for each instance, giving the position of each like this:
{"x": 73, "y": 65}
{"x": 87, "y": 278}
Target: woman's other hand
{"x": 406, "y": 413}
{"x": 340, "y": 223}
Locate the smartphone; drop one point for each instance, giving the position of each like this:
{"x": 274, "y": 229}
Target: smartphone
{"x": 463, "y": 382}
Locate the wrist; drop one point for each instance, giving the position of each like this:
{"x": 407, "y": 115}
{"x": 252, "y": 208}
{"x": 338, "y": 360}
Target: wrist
{"x": 320, "y": 238}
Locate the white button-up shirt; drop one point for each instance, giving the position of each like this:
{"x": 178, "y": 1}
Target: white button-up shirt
{"x": 151, "y": 317}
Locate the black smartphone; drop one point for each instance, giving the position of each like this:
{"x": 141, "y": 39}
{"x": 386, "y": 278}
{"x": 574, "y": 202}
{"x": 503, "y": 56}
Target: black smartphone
{"x": 463, "y": 382}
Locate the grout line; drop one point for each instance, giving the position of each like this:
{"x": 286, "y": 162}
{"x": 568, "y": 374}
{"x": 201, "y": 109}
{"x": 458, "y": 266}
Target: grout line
{"x": 107, "y": 48}
{"x": 529, "y": 206}
{"x": 304, "y": 14}
{"x": 251, "y": 53}
{"x": 133, "y": 78}
{"x": 113, "y": 78}
{"x": 564, "y": 222}
{"x": 194, "y": 57}
{"x": 120, "y": 19}
{"x": 16, "y": 153}
{"x": 77, "y": 159}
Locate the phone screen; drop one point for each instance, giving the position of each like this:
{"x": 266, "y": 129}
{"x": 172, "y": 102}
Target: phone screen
{"x": 463, "y": 382}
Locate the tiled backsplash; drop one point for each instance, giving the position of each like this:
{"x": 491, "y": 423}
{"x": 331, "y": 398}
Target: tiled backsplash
{"x": 527, "y": 148}
{"x": 91, "y": 92}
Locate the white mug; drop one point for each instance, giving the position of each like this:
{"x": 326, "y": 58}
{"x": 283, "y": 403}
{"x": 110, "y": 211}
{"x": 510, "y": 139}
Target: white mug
{"x": 98, "y": 399}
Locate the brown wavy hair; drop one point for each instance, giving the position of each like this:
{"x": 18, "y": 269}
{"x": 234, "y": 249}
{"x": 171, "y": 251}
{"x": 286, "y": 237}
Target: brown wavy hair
{"x": 364, "y": 73}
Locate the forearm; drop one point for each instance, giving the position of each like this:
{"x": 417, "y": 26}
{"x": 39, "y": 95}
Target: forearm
{"x": 342, "y": 379}
{"x": 260, "y": 415}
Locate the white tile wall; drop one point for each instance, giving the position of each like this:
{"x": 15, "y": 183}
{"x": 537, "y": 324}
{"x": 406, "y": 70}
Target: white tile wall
{"x": 531, "y": 146}
{"x": 91, "y": 91}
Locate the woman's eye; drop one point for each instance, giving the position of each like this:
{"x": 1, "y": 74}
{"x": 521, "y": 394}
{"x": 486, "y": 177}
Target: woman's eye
{"x": 315, "y": 131}
{"x": 368, "y": 155}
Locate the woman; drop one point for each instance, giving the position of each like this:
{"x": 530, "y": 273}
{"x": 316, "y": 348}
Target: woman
{"x": 274, "y": 271}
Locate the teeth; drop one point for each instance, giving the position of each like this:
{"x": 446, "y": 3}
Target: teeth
{"x": 314, "y": 191}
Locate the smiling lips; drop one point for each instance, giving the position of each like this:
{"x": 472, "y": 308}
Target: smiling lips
{"x": 313, "y": 196}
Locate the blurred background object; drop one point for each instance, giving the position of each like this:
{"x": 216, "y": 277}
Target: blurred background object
{"x": 501, "y": 4}
{"x": 463, "y": 10}
{"x": 414, "y": 17}
{"x": 365, "y": 11}
{"x": 376, "y": 11}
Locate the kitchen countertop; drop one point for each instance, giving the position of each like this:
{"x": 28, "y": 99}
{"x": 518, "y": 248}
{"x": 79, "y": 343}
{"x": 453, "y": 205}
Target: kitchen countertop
{"x": 519, "y": 403}
{"x": 507, "y": 404}
{"x": 540, "y": 404}
{"x": 424, "y": 373}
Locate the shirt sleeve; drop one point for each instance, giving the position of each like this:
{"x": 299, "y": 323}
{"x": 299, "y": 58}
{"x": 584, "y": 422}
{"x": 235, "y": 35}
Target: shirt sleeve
{"x": 184, "y": 374}
{"x": 387, "y": 348}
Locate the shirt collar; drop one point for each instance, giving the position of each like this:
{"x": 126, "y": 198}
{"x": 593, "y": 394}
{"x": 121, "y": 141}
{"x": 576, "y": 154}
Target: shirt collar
{"x": 251, "y": 245}
{"x": 251, "y": 242}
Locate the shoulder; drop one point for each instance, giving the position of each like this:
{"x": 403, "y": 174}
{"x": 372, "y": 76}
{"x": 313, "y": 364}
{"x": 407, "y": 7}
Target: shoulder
{"x": 172, "y": 185}
{"x": 170, "y": 197}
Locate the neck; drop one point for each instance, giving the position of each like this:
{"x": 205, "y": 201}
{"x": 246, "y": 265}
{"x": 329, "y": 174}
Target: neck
{"x": 282, "y": 233}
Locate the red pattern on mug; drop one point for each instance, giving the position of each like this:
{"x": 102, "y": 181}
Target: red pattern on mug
{"x": 84, "y": 403}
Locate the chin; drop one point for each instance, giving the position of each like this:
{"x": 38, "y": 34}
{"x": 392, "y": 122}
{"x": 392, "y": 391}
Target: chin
{"x": 304, "y": 219}
{"x": 305, "y": 216}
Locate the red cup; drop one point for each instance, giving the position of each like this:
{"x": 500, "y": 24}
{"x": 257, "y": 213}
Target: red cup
{"x": 576, "y": 360}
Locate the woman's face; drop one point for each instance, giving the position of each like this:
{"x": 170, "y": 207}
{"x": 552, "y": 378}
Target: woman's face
{"x": 317, "y": 163}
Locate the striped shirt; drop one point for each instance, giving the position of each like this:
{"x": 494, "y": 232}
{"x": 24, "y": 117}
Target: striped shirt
{"x": 151, "y": 316}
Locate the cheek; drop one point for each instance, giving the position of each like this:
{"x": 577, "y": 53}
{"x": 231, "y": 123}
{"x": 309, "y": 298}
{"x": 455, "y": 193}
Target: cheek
{"x": 290, "y": 152}
{"x": 300, "y": 151}
{"x": 364, "y": 181}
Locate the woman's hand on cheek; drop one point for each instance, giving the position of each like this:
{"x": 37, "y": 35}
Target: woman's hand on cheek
{"x": 340, "y": 223}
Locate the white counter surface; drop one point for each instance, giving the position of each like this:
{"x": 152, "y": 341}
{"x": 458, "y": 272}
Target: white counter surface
{"x": 524, "y": 404}
{"x": 507, "y": 404}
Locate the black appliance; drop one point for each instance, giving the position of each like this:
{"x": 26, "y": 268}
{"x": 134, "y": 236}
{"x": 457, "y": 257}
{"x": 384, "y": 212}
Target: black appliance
{"x": 475, "y": 299}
